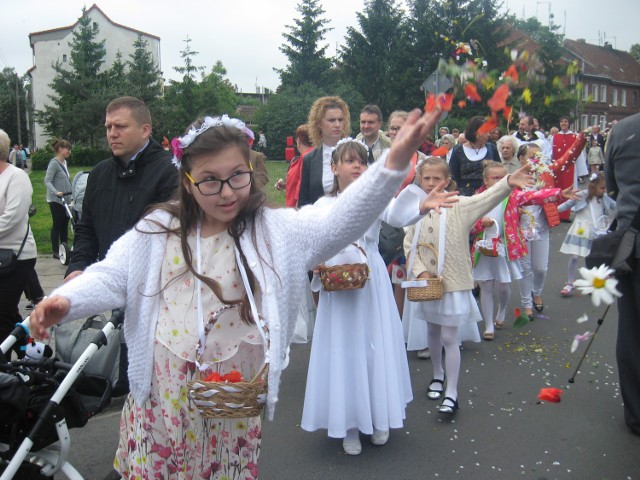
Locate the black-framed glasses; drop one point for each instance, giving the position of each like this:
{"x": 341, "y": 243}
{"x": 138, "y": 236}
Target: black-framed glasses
{"x": 213, "y": 185}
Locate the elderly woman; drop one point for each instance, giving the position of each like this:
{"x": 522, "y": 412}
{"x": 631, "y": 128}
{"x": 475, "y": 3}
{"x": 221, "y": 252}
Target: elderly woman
{"x": 329, "y": 121}
{"x": 507, "y": 148}
{"x": 467, "y": 160}
{"x": 58, "y": 183}
{"x": 15, "y": 237}
{"x": 448, "y": 141}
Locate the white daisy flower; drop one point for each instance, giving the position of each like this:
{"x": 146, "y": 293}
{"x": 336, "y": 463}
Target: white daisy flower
{"x": 598, "y": 283}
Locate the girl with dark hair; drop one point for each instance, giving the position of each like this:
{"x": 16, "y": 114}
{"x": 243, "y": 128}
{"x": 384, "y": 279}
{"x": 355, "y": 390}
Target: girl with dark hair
{"x": 58, "y": 182}
{"x": 192, "y": 275}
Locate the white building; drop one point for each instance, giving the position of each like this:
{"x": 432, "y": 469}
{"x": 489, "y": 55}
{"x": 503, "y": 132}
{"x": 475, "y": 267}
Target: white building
{"x": 51, "y": 46}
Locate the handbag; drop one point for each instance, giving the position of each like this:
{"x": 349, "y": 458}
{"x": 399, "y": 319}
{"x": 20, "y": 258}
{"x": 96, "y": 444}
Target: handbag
{"x": 33, "y": 209}
{"x": 8, "y": 259}
{"x": 425, "y": 290}
{"x": 615, "y": 249}
{"x": 349, "y": 276}
{"x": 390, "y": 242}
{"x": 72, "y": 339}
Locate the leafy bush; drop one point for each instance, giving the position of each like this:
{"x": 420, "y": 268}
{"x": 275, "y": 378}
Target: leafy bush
{"x": 80, "y": 156}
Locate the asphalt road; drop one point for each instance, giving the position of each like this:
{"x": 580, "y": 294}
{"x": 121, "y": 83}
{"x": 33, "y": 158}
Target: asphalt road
{"x": 501, "y": 431}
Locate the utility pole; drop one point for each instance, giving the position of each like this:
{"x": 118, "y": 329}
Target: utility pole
{"x": 18, "y": 111}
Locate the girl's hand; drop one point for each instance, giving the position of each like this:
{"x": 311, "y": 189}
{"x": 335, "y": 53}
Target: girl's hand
{"x": 486, "y": 222}
{"x": 47, "y": 313}
{"x": 571, "y": 194}
{"x": 424, "y": 275}
{"x": 412, "y": 134}
{"x": 438, "y": 198}
{"x": 521, "y": 178}
{"x": 280, "y": 184}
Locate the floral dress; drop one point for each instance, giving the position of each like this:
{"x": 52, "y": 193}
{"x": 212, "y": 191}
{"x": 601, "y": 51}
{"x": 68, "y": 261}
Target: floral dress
{"x": 166, "y": 437}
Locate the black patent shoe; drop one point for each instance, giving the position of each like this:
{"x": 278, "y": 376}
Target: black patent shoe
{"x": 448, "y": 409}
{"x": 432, "y": 393}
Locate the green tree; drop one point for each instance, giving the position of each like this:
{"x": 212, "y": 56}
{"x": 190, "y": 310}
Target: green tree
{"x": 307, "y": 59}
{"x": 10, "y": 84}
{"x": 372, "y": 59}
{"x": 216, "y": 95}
{"x": 635, "y": 51}
{"x": 552, "y": 96}
{"x": 115, "y": 78}
{"x": 80, "y": 93}
{"x": 143, "y": 75}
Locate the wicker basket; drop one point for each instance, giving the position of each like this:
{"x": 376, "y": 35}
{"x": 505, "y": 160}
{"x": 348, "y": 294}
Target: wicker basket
{"x": 491, "y": 247}
{"x": 434, "y": 290}
{"x": 344, "y": 277}
{"x": 231, "y": 399}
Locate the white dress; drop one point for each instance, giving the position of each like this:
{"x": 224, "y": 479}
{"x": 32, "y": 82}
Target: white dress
{"x": 358, "y": 372}
{"x": 496, "y": 268}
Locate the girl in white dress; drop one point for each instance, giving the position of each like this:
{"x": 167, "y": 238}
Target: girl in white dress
{"x": 447, "y": 233}
{"x": 595, "y": 211}
{"x": 358, "y": 379}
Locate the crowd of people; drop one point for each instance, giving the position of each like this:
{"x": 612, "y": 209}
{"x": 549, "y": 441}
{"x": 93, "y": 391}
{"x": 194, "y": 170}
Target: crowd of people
{"x": 181, "y": 238}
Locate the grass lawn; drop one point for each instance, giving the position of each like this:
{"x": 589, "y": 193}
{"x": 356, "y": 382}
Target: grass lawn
{"x": 41, "y": 221}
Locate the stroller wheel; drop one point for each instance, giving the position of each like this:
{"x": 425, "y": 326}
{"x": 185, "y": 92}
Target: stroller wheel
{"x": 64, "y": 253}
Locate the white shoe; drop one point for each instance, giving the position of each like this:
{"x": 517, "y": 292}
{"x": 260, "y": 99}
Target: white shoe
{"x": 352, "y": 447}
{"x": 424, "y": 354}
{"x": 379, "y": 437}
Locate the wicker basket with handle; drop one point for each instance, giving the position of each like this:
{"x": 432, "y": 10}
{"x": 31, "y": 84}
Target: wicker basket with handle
{"x": 224, "y": 399}
{"x": 492, "y": 246}
{"x": 349, "y": 276}
{"x": 434, "y": 290}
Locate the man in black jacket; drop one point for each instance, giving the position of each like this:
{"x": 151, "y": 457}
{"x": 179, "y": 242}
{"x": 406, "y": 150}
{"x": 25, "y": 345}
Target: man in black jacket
{"x": 119, "y": 189}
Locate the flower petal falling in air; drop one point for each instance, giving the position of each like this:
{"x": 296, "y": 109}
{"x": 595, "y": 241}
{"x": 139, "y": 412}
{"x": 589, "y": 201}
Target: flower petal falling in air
{"x": 499, "y": 99}
{"x": 583, "y": 318}
{"x": 439, "y": 152}
{"x": 471, "y": 92}
{"x": 580, "y": 338}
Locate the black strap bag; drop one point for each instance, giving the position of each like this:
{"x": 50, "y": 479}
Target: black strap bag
{"x": 8, "y": 259}
{"x": 390, "y": 242}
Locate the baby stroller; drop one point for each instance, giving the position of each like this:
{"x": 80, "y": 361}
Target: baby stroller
{"x": 64, "y": 250}
{"x": 40, "y": 399}
{"x": 73, "y": 209}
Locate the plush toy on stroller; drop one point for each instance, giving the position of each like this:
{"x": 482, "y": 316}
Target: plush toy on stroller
{"x": 40, "y": 399}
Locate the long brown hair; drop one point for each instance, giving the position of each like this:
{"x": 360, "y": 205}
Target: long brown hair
{"x": 185, "y": 208}
{"x": 355, "y": 148}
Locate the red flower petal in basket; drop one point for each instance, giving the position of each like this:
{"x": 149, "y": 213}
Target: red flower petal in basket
{"x": 550, "y": 395}
{"x": 214, "y": 377}
{"x": 499, "y": 99}
{"x": 233, "y": 376}
{"x": 438, "y": 152}
{"x": 471, "y": 92}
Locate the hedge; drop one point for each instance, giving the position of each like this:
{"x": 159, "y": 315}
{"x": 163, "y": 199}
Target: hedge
{"x": 80, "y": 157}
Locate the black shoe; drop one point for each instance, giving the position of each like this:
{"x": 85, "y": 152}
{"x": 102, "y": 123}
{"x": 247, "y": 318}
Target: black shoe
{"x": 539, "y": 307}
{"x": 448, "y": 409}
{"x": 433, "y": 394}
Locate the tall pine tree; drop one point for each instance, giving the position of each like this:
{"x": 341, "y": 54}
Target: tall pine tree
{"x": 143, "y": 76}
{"x": 80, "y": 93}
{"x": 308, "y": 62}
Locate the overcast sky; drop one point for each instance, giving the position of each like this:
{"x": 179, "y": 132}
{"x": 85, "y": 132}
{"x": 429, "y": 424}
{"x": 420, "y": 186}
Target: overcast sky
{"x": 246, "y": 35}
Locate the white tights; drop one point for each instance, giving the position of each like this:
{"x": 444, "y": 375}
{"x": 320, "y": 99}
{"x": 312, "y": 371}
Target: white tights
{"x": 447, "y": 337}
{"x": 487, "y": 288}
{"x": 534, "y": 269}
{"x": 572, "y": 269}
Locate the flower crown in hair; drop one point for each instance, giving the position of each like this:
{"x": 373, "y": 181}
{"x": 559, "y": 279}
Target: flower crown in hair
{"x": 349, "y": 139}
{"x": 593, "y": 177}
{"x": 178, "y": 144}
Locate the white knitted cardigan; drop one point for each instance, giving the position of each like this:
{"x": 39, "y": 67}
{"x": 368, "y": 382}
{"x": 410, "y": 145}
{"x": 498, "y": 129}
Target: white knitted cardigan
{"x": 289, "y": 243}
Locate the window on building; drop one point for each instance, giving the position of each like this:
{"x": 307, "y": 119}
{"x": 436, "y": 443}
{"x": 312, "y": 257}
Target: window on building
{"x": 585, "y": 92}
{"x": 603, "y": 122}
{"x": 635, "y": 99}
{"x": 594, "y": 93}
{"x": 594, "y": 120}
{"x": 64, "y": 58}
{"x": 623, "y": 98}
{"x": 584, "y": 120}
{"x": 603, "y": 93}
{"x": 614, "y": 97}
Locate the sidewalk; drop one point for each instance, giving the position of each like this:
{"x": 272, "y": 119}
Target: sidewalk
{"x": 51, "y": 274}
